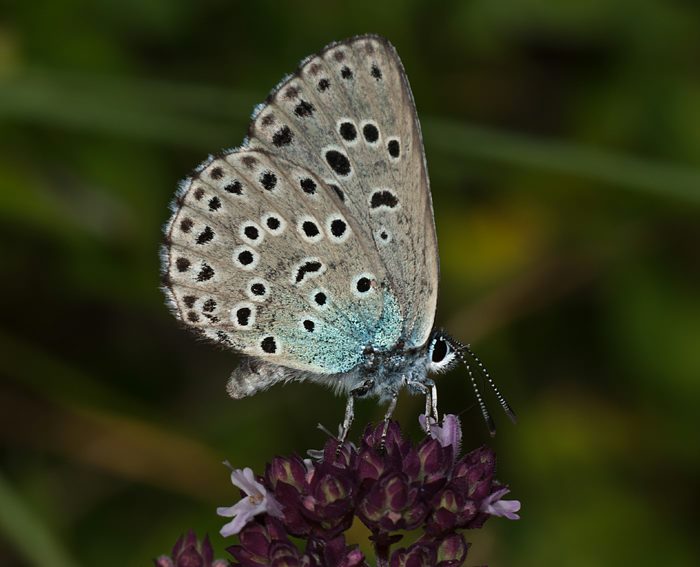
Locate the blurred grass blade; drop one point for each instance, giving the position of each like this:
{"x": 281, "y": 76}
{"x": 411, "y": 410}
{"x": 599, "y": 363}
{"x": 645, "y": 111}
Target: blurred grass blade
{"x": 211, "y": 118}
{"x": 464, "y": 140}
{"x": 29, "y": 535}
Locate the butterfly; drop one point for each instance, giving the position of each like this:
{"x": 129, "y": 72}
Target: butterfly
{"x": 311, "y": 248}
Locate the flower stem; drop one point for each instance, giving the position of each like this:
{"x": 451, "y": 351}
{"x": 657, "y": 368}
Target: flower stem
{"x": 381, "y": 551}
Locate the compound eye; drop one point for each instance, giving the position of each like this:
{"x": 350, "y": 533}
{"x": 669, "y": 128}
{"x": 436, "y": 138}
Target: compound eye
{"x": 442, "y": 355}
{"x": 440, "y": 350}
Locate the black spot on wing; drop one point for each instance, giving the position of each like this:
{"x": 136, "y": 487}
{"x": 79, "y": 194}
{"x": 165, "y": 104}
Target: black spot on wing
{"x": 338, "y": 162}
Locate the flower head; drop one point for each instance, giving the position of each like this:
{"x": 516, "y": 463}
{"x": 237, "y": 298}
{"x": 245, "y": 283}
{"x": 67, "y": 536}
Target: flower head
{"x": 256, "y": 501}
{"x": 386, "y": 481}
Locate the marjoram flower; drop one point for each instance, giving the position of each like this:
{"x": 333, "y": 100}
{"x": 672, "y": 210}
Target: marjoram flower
{"x": 256, "y": 501}
{"x": 387, "y": 482}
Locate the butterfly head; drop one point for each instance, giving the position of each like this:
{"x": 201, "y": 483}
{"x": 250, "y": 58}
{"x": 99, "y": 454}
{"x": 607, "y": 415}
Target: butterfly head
{"x": 444, "y": 353}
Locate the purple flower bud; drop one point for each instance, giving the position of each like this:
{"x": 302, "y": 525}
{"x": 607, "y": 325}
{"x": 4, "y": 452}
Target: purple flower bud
{"x": 450, "y": 510}
{"x": 429, "y": 464}
{"x": 474, "y": 472}
{"x": 394, "y": 447}
{"x": 329, "y": 504}
{"x": 344, "y": 457}
{"x": 257, "y": 540}
{"x": 371, "y": 464}
{"x": 290, "y": 470}
{"x": 391, "y": 504}
{"x": 417, "y": 555}
{"x": 190, "y": 552}
{"x": 452, "y": 550}
{"x": 335, "y": 553}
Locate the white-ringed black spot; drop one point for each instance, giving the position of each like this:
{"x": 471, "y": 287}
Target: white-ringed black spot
{"x": 283, "y": 137}
{"x": 371, "y": 133}
{"x": 243, "y": 315}
{"x": 323, "y": 85}
{"x": 269, "y": 345}
{"x": 308, "y": 185}
{"x": 268, "y": 180}
{"x": 382, "y": 235}
{"x": 189, "y": 301}
{"x": 347, "y": 131}
{"x": 383, "y": 198}
{"x": 338, "y": 162}
{"x": 346, "y": 72}
{"x": 209, "y": 305}
{"x": 234, "y": 187}
{"x": 205, "y": 236}
{"x": 214, "y": 204}
{"x": 251, "y": 233}
{"x": 273, "y": 223}
{"x": 338, "y": 227}
{"x": 182, "y": 264}
{"x": 394, "y": 148}
{"x": 319, "y": 299}
{"x": 376, "y": 72}
{"x": 245, "y": 258}
{"x": 307, "y": 268}
{"x": 309, "y": 325}
{"x": 257, "y": 289}
{"x": 363, "y": 284}
{"x": 310, "y": 229}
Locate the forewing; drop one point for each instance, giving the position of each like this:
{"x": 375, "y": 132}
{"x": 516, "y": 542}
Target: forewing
{"x": 348, "y": 115}
{"x": 261, "y": 256}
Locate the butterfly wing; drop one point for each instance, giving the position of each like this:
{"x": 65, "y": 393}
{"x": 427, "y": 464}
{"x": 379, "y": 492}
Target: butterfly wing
{"x": 348, "y": 115}
{"x": 261, "y": 256}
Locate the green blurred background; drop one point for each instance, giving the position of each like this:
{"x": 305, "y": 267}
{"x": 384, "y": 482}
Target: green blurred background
{"x": 563, "y": 142}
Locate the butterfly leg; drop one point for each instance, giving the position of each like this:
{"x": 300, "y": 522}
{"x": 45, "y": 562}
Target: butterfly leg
{"x": 429, "y": 390}
{"x": 357, "y": 392}
{"x": 433, "y": 402}
{"x": 347, "y": 420}
{"x": 387, "y": 416}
